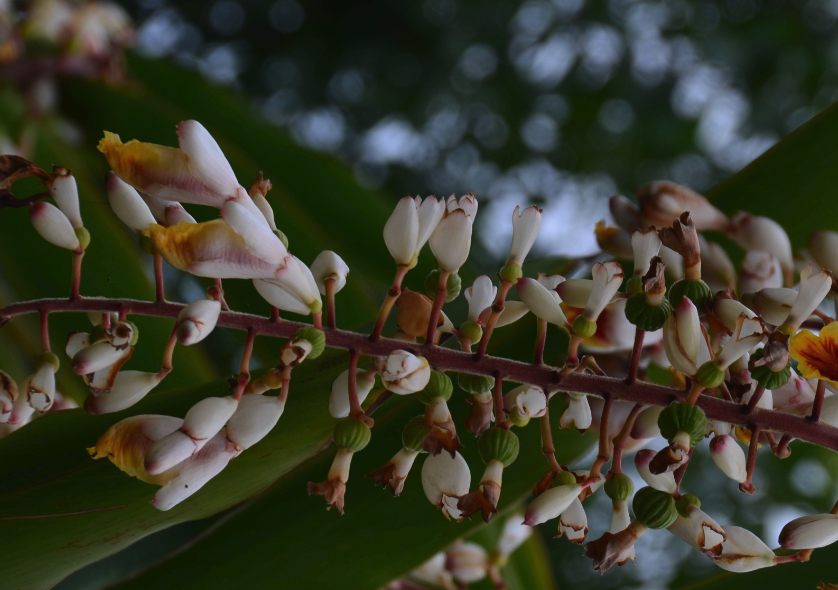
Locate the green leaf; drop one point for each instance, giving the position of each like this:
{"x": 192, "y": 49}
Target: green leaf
{"x": 287, "y": 537}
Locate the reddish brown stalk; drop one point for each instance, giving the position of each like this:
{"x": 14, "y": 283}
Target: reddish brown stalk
{"x": 500, "y": 415}
{"x": 725, "y": 391}
{"x": 355, "y": 408}
{"x": 752, "y": 403}
{"x": 330, "y": 303}
{"x": 106, "y": 321}
{"x": 168, "y": 353}
{"x": 497, "y": 308}
{"x": 622, "y": 437}
{"x": 695, "y": 393}
{"x": 747, "y": 486}
{"x": 439, "y": 299}
{"x": 547, "y": 446}
{"x": 75, "y": 285}
{"x": 219, "y": 295}
{"x": 244, "y": 366}
{"x": 158, "y": 278}
{"x": 817, "y": 405}
{"x": 635, "y": 355}
{"x": 286, "y": 386}
{"x": 392, "y": 295}
{"x": 45, "y": 331}
{"x": 446, "y": 359}
{"x": 604, "y": 442}
{"x": 317, "y": 320}
{"x": 274, "y": 314}
{"x": 540, "y": 342}
{"x": 782, "y": 450}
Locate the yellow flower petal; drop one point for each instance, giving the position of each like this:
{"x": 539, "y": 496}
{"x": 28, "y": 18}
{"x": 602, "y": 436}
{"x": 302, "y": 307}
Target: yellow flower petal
{"x": 126, "y": 442}
{"x": 817, "y": 356}
{"x": 143, "y": 165}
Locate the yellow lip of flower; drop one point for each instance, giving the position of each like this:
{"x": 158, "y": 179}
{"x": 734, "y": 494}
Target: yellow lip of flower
{"x": 160, "y": 171}
{"x": 817, "y": 356}
{"x": 126, "y": 443}
{"x": 208, "y": 249}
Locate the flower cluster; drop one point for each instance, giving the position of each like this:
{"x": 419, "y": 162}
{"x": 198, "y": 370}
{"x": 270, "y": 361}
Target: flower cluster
{"x": 738, "y": 350}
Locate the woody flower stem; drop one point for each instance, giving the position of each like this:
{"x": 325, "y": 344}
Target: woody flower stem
{"x": 752, "y": 403}
{"x": 604, "y": 442}
{"x": 392, "y": 295}
{"x": 78, "y": 255}
{"x": 244, "y": 366}
{"x": 540, "y": 342}
{"x": 635, "y": 355}
{"x": 747, "y": 486}
{"x": 817, "y": 405}
{"x": 158, "y": 277}
{"x": 45, "y": 332}
{"x": 330, "y": 303}
{"x": 446, "y": 359}
{"x": 695, "y": 391}
{"x": 497, "y": 308}
{"x": 547, "y": 446}
{"x": 782, "y": 450}
{"x": 622, "y": 437}
{"x": 439, "y": 299}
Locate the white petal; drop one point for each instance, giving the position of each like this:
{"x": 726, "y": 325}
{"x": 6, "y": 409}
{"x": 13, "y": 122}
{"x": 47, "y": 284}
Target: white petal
{"x": 525, "y": 227}
{"x": 544, "y": 303}
{"x": 451, "y": 240}
{"x": 810, "y": 532}
{"x": 480, "y": 296}
{"x": 53, "y": 225}
{"x": 329, "y": 265}
{"x": 128, "y": 388}
{"x": 401, "y": 232}
{"x": 443, "y": 475}
{"x": 208, "y": 416}
{"x": 551, "y": 504}
{"x": 664, "y": 482}
{"x": 169, "y": 451}
{"x": 127, "y": 203}
{"x": 98, "y": 355}
{"x": 197, "y": 320}
{"x": 254, "y": 419}
{"x": 279, "y": 297}
{"x": 260, "y": 240}
{"x": 65, "y": 192}
{"x": 206, "y": 159}
{"x": 430, "y": 213}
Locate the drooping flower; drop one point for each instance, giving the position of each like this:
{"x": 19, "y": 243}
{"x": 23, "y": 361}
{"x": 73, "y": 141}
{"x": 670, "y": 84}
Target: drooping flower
{"x": 729, "y": 457}
{"x": 329, "y": 265}
{"x": 645, "y": 245}
{"x": 813, "y": 288}
{"x": 662, "y": 202}
{"x": 529, "y": 401}
{"x": 577, "y": 413}
{"x": 817, "y": 356}
{"x": 573, "y": 523}
{"x": 664, "y": 482}
{"x": 754, "y": 232}
{"x": 699, "y": 530}
{"x": 403, "y": 372}
{"x": 128, "y": 388}
{"x": 551, "y": 503}
{"x": 445, "y": 480}
{"x": 254, "y": 418}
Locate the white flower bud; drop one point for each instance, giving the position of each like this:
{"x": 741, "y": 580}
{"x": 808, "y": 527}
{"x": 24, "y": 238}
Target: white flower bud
{"x": 95, "y": 357}
{"x": 293, "y": 289}
{"x": 525, "y": 227}
{"x": 404, "y": 373}
{"x": 41, "y": 391}
{"x": 169, "y": 451}
{"x": 480, "y": 296}
{"x": 810, "y": 532}
{"x": 729, "y": 457}
{"x": 251, "y": 226}
{"x": 813, "y": 288}
{"x": 514, "y": 534}
{"x": 329, "y": 265}
{"x": 512, "y": 312}
{"x": 551, "y": 504}
{"x": 743, "y": 551}
{"x": 607, "y": 278}
{"x": 645, "y": 245}
{"x": 683, "y": 340}
{"x": 254, "y": 418}
{"x": 543, "y": 302}
{"x": 197, "y": 320}
{"x": 75, "y": 342}
{"x": 128, "y": 388}
{"x": 206, "y": 160}
{"x": 467, "y": 562}
{"x": 208, "y": 463}
{"x": 339, "y": 398}
{"x": 753, "y": 232}
{"x": 664, "y": 482}
{"x": 716, "y": 267}
{"x": 65, "y": 193}
{"x": 208, "y": 416}
{"x": 823, "y": 246}
{"x": 577, "y": 413}
{"x": 760, "y": 270}
{"x": 127, "y": 203}
{"x": 574, "y": 522}
{"x": 529, "y": 399}
{"x": 53, "y": 225}
{"x": 433, "y": 572}
{"x": 401, "y": 231}
{"x": 445, "y": 480}
{"x": 451, "y": 240}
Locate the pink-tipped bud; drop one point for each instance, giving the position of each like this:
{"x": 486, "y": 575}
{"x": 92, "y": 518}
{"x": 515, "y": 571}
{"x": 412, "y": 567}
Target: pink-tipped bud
{"x": 551, "y": 504}
{"x": 208, "y": 416}
{"x": 128, "y": 388}
{"x": 254, "y": 418}
{"x": 95, "y": 357}
{"x": 65, "y": 193}
{"x": 810, "y": 532}
{"x": 53, "y": 225}
{"x": 197, "y": 320}
{"x": 127, "y": 203}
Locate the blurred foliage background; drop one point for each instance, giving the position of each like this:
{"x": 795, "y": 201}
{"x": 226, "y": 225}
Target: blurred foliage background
{"x": 346, "y": 106}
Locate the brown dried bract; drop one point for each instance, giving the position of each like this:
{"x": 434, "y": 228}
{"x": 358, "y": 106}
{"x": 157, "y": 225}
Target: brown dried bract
{"x": 654, "y": 282}
{"x": 260, "y": 186}
{"x": 775, "y": 354}
{"x": 545, "y": 483}
{"x": 606, "y": 550}
{"x": 683, "y": 238}
{"x": 442, "y": 437}
{"x": 484, "y": 500}
{"x": 332, "y": 489}
{"x": 414, "y": 313}
{"x": 480, "y": 417}
{"x": 668, "y": 459}
{"x": 13, "y": 168}
{"x": 386, "y": 476}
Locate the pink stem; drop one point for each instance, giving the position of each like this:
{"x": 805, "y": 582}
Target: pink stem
{"x": 158, "y": 278}
{"x": 439, "y": 299}
{"x": 45, "y": 331}
{"x": 635, "y": 355}
{"x": 540, "y": 342}
{"x": 497, "y": 308}
{"x": 446, "y": 359}
{"x": 76, "y": 281}
{"x": 392, "y": 295}
{"x": 330, "y": 303}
